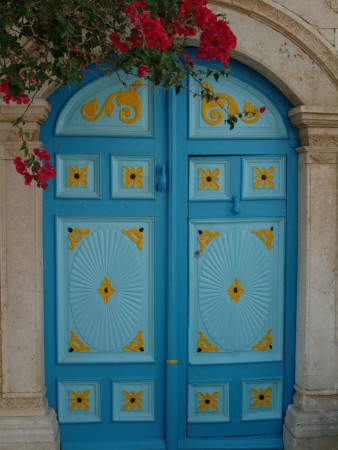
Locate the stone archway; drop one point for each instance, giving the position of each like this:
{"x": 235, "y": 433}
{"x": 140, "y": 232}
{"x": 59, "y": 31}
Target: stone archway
{"x": 290, "y": 53}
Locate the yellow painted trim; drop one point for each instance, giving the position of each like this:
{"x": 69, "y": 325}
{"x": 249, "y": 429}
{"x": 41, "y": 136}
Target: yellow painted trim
{"x": 250, "y": 112}
{"x": 75, "y": 235}
{"x": 202, "y": 340}
{"x": 172, "y": 361}
{"x": 135, "y": 235}
{"x": 129, "y": 98}
{"x": 205, "y": 237}
{"x": 235, "y": 290}
{"x": 261, "y": 345}
{"x": 266, "y": 235}
{"x": 136, "y": 343}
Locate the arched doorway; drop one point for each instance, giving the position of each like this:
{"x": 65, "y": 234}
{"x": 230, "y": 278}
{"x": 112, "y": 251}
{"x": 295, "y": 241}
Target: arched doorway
{"x": 180, "y": 297}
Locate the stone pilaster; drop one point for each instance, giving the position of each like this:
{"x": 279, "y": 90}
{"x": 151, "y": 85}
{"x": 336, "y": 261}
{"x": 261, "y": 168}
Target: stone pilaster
{"x": 26, "y": 421}
{"x": 311, "y": 422}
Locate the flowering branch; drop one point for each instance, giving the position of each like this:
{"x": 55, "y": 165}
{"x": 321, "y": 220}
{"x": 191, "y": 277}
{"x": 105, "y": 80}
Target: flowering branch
{"x": 137, "y": 37}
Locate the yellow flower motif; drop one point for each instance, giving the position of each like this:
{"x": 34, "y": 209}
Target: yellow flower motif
{"x": 209, "y": 179}
{"x": 105, "y": 289}
{"x": 132, "y": 177}
{"x": 77, "y": 176}
{"x": 235, "y": 290}
{"x": 263, "y": 177}
{"x": 79, "y": 400}
{"x": 207, "y": 401}
{"x": 132, "y": 400}
{"x": 261, "y": 397}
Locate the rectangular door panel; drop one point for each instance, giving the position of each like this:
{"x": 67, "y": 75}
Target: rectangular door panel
{"x": 236, "y": 290}
{"x": 105, "y": 273}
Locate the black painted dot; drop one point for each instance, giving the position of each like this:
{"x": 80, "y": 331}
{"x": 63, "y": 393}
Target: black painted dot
{"x": 79, "y": 400}
{"x": 70, "y": 350}
{"x": 270, "y": 346}
{"x": 141, "y": 349}
{"x": 207, "y": 401}
{"x": 199, "y": 350}
{"x": 209, "y": 179}
{"x": 263, "y": 177}
{"x": 200, "y": 231}
{"x": 76, "y": 176}
{"x": 106, "y": 290}
{"x": 70, "y": 230}
{"x": 235, "y": 290}
{"x": 141, "y": 230}
{"x": 271, "y": 228}
{"x": 133, "y": 176}
{"x": 261, "y": 397}
{"x": 132, "y": 400}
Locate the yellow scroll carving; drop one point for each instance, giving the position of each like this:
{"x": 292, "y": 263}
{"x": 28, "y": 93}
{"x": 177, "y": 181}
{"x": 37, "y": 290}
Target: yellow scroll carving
{"x": 266, "y": 235}
{"x": 129, "y": 98}
{"x": 76, "y": 344}
{"x": 250, "y": 112}
{"x": 136, "y": 344}
{"x": 202, "y": 340}
{"x": 135, "y": 235}
{"x": 75, "y": 235}
{"x": 265, "y": 342}
{"x": 205, "y": 237}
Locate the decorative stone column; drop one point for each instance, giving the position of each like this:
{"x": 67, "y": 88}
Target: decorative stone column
{"x": 26, "y": 421}
{"x": 311, "y": 422}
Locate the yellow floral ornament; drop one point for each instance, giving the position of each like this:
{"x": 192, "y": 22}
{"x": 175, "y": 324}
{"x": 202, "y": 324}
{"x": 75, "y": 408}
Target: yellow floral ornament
{"x": 263, "y": 177}
{"x": 105, "y": 289}
{"x": 235, "y": 290}
{"x": 207, "y": 401}
{"x": 261, "y": 397}
{"x": 132, "y": 400}
{"x": 77, "y": 176}
{"x": 209, "y": 179}
{"x": 79, "y": 400}
{"x": 132, "y": 177}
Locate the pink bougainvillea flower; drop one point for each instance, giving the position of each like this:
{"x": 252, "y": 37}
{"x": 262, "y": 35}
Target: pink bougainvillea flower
{"x": 262, "y": 109}
{"x": 142, "y": 70}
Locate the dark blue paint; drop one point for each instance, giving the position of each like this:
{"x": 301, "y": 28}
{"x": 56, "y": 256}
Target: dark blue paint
{"x": 171, "y": 318}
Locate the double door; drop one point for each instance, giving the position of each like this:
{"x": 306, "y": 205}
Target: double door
{"x": 169, "y": 278}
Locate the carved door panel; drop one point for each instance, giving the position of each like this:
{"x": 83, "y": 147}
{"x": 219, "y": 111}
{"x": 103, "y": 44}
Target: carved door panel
{"x": 105, "y": 259}
{"x": 236, "y": 295}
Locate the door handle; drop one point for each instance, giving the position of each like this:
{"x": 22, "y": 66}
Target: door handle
{"x": 236, "y": 206}
{"x": 162, "y": 185}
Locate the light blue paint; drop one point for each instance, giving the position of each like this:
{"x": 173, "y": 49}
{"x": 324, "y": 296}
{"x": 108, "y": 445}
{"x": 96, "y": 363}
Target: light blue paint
{"x": 92, "y": 188}
{"x": 146, "y": 414}
{"x": 235, "y": 327}
{"x": 260, "y": 192}
{"x": 223, "y": 176}
{"x": 262, "y": 412}
{"x": 105, "y": 252}
{"x": 71, "y": 122}
{"x": 222, "y": 404}
{"x": 169, "y": 130}
{"x": 269, "y": 124}
{"x": 93, "y": 414}
{"x": 148, "y": 178}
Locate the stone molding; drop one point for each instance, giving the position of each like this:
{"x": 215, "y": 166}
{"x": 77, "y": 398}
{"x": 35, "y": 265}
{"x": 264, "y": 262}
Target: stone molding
{"x": 36, "y": 112}
{"x": 310, "y": 401}
{"x": 317, "y": 125}
{"x": 291, "y": 26}
{"x": 333, "y": 4}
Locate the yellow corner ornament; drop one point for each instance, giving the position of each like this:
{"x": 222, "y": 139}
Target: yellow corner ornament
{"x": 75, "y": 235}
{"x": 136, "y": 344}
{"x": 205, "y": 237}
{"x": 265, "y": 342}
{"x": 75, "y": 344}
{"x": 266, "y": 235}
{"x": 129, "y": 98}
{"x": 204, "y": 345}
{"x": 135, "y": 235}
{"x": 215, "y": 116}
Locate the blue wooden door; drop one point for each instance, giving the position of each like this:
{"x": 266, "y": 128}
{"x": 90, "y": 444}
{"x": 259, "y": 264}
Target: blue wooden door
{"x": 226, "y": 299}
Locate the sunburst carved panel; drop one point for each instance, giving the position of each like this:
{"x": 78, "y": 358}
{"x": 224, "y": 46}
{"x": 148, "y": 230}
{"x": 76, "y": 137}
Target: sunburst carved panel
{"x": 234, "y": 325}
{"x": 106, "y": 326}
